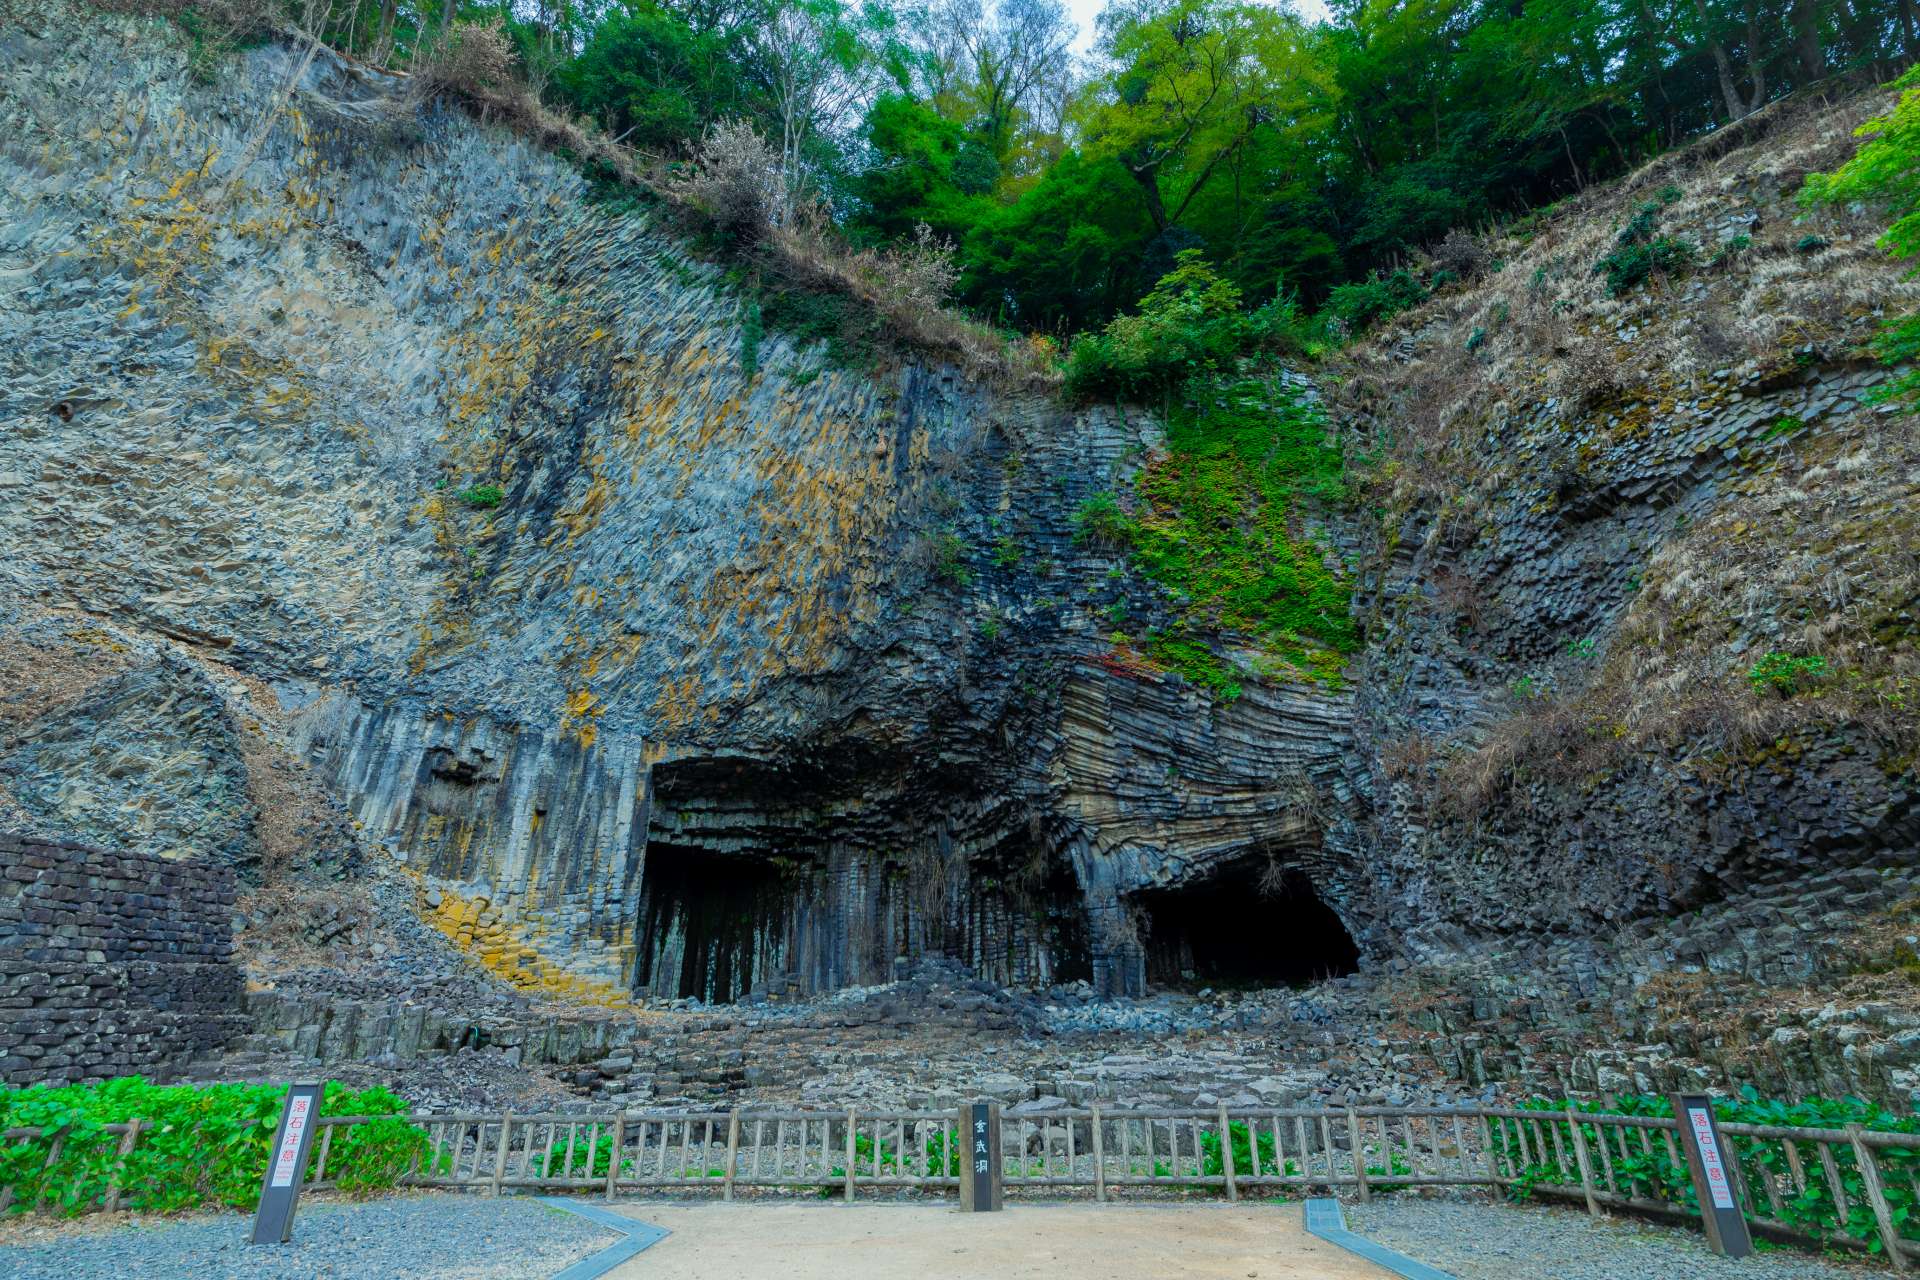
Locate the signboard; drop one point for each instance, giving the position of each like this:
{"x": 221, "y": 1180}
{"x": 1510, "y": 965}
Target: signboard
{"x": 1709, "y": 1160}
{"x": 287, "y": 1165}
{"x": 980, "y": 1161}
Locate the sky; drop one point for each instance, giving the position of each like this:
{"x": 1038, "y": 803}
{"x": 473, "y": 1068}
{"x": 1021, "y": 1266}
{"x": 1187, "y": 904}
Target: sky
{"x": 1085, "y": 11}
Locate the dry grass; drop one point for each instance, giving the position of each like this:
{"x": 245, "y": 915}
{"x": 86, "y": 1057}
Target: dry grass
{"x": 734, "y": 187}
{"x": 1548, "y": 328}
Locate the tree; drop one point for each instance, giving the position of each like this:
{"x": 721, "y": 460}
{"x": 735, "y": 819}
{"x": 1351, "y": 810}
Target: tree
{"x": 824, "y": 59}
{"x": 992, "y": 67}
{"x": 655, "y": 82}
{"x": 1194, "y": 81}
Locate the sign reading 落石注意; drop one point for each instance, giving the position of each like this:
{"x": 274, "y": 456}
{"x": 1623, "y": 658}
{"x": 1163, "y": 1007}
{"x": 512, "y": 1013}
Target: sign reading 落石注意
{"x": 1710, "y": 1163}
{"x": 287, "y": 1165}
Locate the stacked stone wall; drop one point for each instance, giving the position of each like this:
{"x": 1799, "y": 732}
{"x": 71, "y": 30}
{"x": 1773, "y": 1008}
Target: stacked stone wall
{"x": 111, "y": 963}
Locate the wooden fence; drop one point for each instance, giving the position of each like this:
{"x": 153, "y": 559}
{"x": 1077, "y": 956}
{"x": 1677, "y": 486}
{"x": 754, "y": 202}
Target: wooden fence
{"x": 1825, "y": 1186}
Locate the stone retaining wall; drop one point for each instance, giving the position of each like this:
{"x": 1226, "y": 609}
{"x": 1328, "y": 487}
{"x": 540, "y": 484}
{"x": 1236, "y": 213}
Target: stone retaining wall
{"x": 111, "y": 963}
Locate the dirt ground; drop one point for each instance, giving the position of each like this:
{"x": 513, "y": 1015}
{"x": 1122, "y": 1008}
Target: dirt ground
{"x": 1057, "y": 1242}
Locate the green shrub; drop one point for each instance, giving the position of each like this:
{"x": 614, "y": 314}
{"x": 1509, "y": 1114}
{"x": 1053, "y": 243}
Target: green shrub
{"x": 1784, "y": 673}
{"x": 950, "y": 559}
{"x": 1362, "y": 305}
{"x": 207, "y": 1145}
{"x": 1885, "y": 170}
{"x": 1813, "y": 1210}
{"x": 1101, "y": 523}
{"x": 1190, "y": 323}
{"x": 1218, "y": 528}
{"x": 483, "y": 497}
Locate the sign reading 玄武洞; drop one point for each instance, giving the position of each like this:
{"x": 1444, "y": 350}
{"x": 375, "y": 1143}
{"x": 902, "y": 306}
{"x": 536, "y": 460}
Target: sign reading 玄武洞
{"x": 1709, "y": 1161}
{"x": 287, "y": 1165}
{"x": 980, "y": 1169}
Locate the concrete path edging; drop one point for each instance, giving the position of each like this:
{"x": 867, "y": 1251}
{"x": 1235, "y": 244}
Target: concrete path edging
{"x": 1325, "y": 1220}
{"x": 639, "y": 1235}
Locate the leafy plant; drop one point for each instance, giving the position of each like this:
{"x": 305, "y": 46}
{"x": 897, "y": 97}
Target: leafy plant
{"x": 483, "y": 497}
{"x": 950, "y": 559}
{"x": 1784, "y": 425}
{"x": 1886, "y": 171}
{"x": 1639, "y": 251}
{"x": 1785, "y": 673}
{"x": 205, "y": 1145}
{"x": 1812, "y": 1210}
{"x": 1101, "y": 523}
{"x": 1006, "y": 551}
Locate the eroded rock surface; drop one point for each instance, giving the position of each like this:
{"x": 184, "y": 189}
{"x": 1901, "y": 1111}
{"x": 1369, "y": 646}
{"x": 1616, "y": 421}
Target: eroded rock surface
{"x": 349, "y": 430}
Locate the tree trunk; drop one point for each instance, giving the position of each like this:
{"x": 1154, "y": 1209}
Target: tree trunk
{"x": 1805, "y": 18}
{"x": 1148, "y": 176}
{"x": 383, "y": 46}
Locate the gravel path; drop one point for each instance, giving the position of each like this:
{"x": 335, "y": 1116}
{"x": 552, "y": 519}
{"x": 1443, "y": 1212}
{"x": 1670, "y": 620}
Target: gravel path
{"x": 418, "y": 1237}
{"x": 1485, "y": 1240}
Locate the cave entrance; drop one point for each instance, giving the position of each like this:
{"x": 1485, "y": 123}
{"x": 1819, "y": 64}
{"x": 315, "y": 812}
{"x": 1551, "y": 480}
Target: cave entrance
{"x": 705, "y": 921}
{"x": 1239, "y": 929}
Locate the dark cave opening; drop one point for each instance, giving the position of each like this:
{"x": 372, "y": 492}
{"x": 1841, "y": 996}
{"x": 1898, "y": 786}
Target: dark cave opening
{"x": 1230, "y": 930}
{"x": 704, "y": 919}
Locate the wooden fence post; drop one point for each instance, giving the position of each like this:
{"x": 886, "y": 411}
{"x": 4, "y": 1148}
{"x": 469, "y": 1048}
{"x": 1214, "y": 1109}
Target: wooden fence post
{"x": 127, "y": 1141}
{"x": 613, "y": 1157}
{"x": 46, "y": 1170}
{"x": 1586, "y": 1165}
{"x": 500, "y": 1156}
{"x": 733, "y": 1151}
{"x": 1099, "y": 1159}
{"x": 853, "y": 1122}
{"x": 1358, "y": 1142}
{"x": 1226, "y": 1153}
{"x": 1877, "y": 1197}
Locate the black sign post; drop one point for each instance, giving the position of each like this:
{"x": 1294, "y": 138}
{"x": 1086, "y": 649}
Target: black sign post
{"x": 980, "y": 1188}
{"x": 1710, "y": 1161}
{"x": 287, "y": 1165}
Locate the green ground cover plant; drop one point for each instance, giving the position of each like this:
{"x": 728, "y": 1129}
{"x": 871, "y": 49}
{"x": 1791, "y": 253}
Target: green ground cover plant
{"x": 205, "y": 1145}
{"x": 1813, "y": 1210}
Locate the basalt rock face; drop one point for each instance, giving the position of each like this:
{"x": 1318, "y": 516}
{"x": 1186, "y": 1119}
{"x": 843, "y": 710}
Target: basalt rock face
{"x": 733, "y": 683}
{"x": 672, "y": 667}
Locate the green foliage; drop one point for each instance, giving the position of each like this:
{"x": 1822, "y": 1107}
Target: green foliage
{"x": 483, "y": 497}
{"x": 1179, "y": 651}
{"x": 1640, "y": 251}
{"x": 1784, "y": 425}
{"x": 1885, "y": 171}
{"x": 1362, "y": 305}
{"x": 207, "y": 1145}
{"x": 940, "y": 1159}
{"x": 1101, "y": 523}
{"x": 1581, "y": 648}
{"x": 1006, "y": 551}
{"x": 590, "y": 1159}
{"x": 950, "y": 554}
{"x": 1812, "y": 1210}
{"x": 1731, "y": 248}
{"x": 1219, "y": 528}
{"x": 1190, "y": 324}
{"x": 1786, "y": 674}
{"x": 646, "y": 74}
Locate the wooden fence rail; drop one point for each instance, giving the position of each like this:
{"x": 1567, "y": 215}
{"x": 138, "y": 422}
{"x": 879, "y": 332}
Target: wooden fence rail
{"x": 1826, "y": 1186}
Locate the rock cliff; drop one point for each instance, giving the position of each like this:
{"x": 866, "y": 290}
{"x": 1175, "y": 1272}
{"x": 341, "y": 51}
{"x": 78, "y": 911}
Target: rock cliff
{"x": 349, "y": 424}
